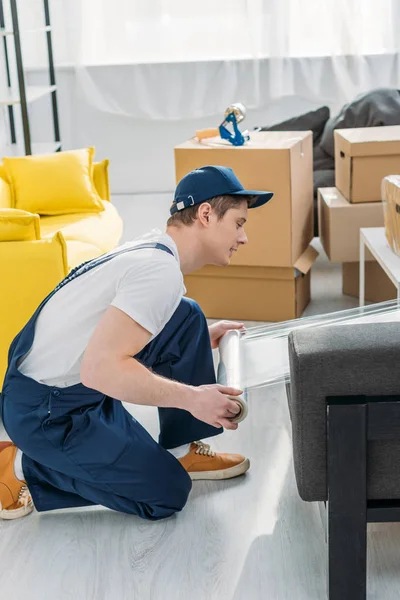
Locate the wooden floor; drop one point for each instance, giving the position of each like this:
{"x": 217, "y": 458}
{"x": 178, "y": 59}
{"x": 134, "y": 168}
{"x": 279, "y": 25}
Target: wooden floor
{"x": 250, "y": 538}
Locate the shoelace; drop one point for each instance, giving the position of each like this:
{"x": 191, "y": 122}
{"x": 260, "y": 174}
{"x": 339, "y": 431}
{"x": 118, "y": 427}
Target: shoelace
{"x": 24, "y": 496}
{"x": 203, "y": 448}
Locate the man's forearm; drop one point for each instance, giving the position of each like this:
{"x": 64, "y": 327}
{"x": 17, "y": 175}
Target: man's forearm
{"x": 129, "y": 381}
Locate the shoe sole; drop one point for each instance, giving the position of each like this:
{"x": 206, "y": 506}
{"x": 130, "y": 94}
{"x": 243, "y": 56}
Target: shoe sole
{"x": 18, "y": 513}
{"x": 221, "y": 473}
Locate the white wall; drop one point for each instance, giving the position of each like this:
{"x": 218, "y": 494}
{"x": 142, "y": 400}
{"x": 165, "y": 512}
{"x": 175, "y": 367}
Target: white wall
{"x": 140, "y": 151}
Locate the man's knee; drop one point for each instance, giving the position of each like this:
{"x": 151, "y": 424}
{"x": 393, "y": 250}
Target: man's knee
{"x": 169, "y": 499}
{"x": 177, "y": 498}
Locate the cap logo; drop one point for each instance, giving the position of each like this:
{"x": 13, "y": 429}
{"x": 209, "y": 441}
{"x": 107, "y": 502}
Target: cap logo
{"x": 191, "y": 199}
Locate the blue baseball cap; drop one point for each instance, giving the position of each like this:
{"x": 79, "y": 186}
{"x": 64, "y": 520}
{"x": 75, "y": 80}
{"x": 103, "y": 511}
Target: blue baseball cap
{"x": 203, "y": 184}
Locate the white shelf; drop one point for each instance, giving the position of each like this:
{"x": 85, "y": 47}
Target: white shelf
{"x": 5, "y": 32}
{"x": 47, "y": 28}
{"x": 32, "y": 93}
{"x": 45, "y": 147}
{"x": 374, "y": 238}
{"x": 37, "y": 148}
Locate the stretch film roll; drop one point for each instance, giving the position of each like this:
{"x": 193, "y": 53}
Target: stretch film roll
{"x": 230, "y": 369}
{"x": 260, "y": 358}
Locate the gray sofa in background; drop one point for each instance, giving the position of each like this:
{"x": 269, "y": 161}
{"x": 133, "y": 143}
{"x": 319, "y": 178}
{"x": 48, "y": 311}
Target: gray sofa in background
{"x": 374, "y": 108}
{"x": 344, "y": 403}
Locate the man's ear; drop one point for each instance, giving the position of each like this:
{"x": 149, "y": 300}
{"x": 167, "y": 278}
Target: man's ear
{"x": 204, "y": 213}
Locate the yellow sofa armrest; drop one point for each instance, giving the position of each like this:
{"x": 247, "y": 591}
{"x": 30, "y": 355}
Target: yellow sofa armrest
{"x": 29, "y": 271}
{"x": 5, "y": 190}
{"x": 100, "y": 179}
{"x": 18, "y": 225}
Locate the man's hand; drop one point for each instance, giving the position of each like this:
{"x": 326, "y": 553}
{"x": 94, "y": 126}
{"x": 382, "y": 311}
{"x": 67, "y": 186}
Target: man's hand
{"x": 211, "y": 404}
{"x": 219, "y": 329}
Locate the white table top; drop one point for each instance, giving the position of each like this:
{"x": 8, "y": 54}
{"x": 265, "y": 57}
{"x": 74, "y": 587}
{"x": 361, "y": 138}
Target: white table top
{"x": 375, "y": 240}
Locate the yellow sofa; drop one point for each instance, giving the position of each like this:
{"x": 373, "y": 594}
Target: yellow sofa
{"x": 36, "y": 253}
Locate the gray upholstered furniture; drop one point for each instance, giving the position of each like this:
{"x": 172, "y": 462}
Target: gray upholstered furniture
{"x": 344, "y": 401}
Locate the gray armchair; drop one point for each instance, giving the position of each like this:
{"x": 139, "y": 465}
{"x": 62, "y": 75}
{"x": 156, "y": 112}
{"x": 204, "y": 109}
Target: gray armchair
{"x": 344, "y": 402}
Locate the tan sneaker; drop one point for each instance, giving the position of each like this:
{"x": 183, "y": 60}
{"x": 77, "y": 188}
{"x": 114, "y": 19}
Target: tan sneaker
{"x": 15, "y": 499}
{"x": 202, "y": 463}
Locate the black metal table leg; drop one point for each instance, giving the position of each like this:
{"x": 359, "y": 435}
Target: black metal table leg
{"x": 347, "y": 501}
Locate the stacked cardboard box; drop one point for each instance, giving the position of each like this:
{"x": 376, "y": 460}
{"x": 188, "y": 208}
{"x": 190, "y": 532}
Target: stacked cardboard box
{"x": 378, "y": 286}
{"x": 339, "y": 224}
{"x": 269, "y": 278}
{"x": 391, "y": 205}
{"x": 363, "y": 157}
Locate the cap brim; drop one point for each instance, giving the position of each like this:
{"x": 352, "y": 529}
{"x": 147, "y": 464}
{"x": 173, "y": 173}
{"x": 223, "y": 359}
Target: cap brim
{"x": 262, "y": 197}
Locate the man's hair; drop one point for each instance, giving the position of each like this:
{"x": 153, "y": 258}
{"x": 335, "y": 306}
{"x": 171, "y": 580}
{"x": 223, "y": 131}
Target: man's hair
{"x": 220, "y": 205}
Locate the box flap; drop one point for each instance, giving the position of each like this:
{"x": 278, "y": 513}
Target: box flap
{"x": 333, "y": 198}
{"x": 369, "y": 141}
{"x": 306, "y": 260}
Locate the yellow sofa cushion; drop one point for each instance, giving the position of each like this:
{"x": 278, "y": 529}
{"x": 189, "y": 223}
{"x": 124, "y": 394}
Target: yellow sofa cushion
{"x": 102, "y": 230}
{"x": 54, "y": 184}
{"x": 18, "y": 225}
{"x": 100, "y": 179}
{"x": 5, "y": 190}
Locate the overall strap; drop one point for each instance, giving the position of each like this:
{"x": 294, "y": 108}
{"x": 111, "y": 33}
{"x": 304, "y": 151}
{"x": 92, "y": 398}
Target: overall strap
{"x": 76, "y": 272}
{"x": 95, "y": 262}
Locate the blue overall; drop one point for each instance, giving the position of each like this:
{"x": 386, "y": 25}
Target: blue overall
{"x": 81, "y": 447}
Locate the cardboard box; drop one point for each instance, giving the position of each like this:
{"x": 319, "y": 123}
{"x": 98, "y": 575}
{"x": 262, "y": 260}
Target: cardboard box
{"x": 363, "y": 157}
{"x": 253, "y": 293}
{"x": 339, "y": 224}
{"x": 391, "y": 206}
{"x": 276, "y": 161}
{"x": 378, "y": 286}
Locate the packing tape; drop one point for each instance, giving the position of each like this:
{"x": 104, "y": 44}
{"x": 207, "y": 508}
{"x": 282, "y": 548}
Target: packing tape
{"x": 230, "y": 370}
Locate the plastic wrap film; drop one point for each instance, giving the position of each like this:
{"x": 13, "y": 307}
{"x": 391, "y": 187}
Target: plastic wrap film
{"x": 259, "y": 357}
{"x": 230, "y": 369}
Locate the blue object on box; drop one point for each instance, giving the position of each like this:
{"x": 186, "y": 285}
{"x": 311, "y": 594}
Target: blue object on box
{"x": 237, "y": 138}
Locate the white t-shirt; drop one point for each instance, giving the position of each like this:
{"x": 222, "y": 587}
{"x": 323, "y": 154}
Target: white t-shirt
{"x": 146, "y": 284}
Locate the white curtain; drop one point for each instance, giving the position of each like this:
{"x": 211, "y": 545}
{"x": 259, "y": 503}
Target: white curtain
{"x": 180, "y": 59}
